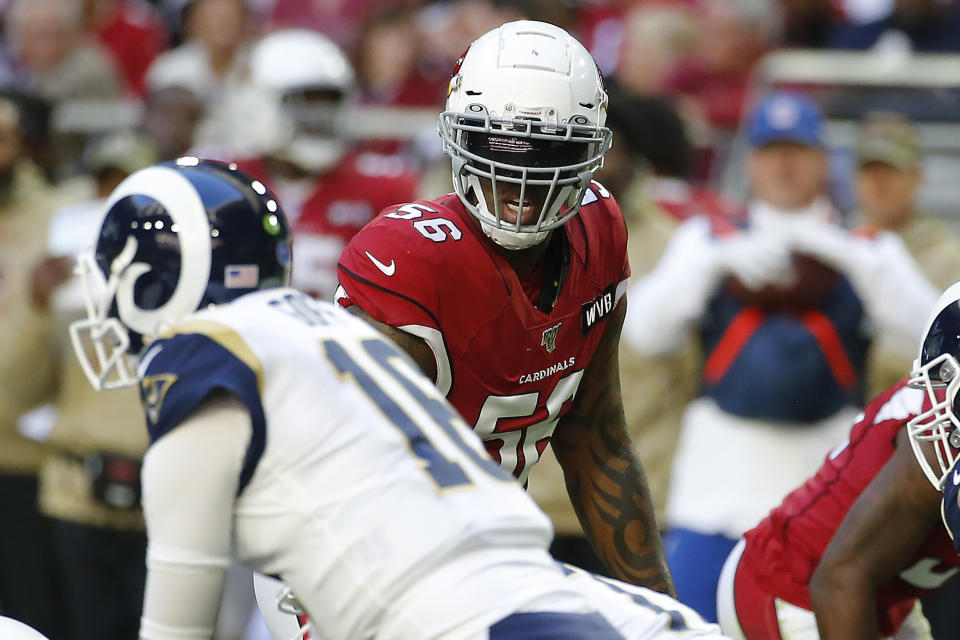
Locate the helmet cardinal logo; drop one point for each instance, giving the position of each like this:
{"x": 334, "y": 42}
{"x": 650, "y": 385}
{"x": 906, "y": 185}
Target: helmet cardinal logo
{"x": 454, "y": 80}
{"x": 549, "y": 339}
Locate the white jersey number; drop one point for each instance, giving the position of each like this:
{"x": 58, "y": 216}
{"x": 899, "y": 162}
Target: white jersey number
{"x": 924, "y": 575}
{"x": 445, "y": 472}
{"x": 519, "y": 451}
{"x": 436, "y": 229}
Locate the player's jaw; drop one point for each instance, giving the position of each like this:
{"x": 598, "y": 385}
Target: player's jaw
{"x": 509, "y": 205}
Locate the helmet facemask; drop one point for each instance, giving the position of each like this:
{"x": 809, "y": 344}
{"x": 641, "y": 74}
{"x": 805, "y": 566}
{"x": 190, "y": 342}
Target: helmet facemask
{"x": 315, "y": 120}
{"x": 549, "y": 165}
{"x": 939, "y": 425}
{"x": 100, "y": 341}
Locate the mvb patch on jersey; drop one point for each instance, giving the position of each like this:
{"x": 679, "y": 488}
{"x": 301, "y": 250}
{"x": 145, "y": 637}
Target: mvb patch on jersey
{"x": 591, "y": 313}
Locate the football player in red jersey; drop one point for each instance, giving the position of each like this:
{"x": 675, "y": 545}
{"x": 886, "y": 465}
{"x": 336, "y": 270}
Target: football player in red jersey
{"x": 508, "y": 291}
{"x": 301, "y": 85}
{"x": 848, "y": 554}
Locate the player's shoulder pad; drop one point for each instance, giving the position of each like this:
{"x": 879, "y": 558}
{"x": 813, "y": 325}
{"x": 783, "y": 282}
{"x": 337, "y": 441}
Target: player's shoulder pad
{"x": 605, "y": 229}
{"x": 402, "y": 249}
{"x": 600, "y": 210}
{"x": 180, "y": 370}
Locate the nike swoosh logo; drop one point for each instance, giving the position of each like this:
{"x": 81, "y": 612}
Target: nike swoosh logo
{"x": 388, "y": 270}
{"x": 956, "y": 477}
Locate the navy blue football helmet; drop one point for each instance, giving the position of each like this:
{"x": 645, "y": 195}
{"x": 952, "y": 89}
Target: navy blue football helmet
{"x": 176, "y": 237}
{"x": 935, "y": 432}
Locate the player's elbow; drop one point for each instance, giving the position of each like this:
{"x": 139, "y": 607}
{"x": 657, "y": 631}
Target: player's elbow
{"x": 833, "y": 583}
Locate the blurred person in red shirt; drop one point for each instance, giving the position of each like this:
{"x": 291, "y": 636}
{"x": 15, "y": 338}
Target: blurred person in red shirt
{"x": 733, "y": 36}
{"x": 131, "y": 31}
{"x": 340, "y": 20}
{"x": 50, "y": 57}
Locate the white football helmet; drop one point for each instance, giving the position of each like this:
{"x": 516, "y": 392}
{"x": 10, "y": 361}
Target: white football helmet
{"x": 935, "y": 433}
{"x": 302, "y": 84}
{"x": 10, "y": 629}
{"x": 526, "y": 106}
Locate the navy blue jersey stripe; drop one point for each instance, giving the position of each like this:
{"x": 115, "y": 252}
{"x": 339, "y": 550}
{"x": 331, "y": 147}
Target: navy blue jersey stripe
{"x": 186, "y": 370}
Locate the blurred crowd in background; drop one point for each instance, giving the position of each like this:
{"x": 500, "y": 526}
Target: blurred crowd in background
{"x": 92, "y": 90}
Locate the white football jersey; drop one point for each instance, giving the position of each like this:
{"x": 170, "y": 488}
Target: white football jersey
{"x": 361, "y": 487}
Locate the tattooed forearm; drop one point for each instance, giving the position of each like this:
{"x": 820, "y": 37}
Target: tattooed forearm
{"x": 609, "y": 491}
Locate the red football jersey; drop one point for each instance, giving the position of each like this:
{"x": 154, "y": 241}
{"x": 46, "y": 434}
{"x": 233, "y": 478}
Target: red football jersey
{"x": 333, "y": 208}
{"x": 508, "y": 368}
{"x": 784, "y": 550}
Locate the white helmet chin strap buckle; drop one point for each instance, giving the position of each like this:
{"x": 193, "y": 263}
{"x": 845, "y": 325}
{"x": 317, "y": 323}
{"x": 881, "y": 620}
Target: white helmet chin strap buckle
{"x": 98, "y": 336}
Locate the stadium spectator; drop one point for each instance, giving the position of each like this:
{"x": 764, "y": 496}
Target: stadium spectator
{"x": 171, "y": 116}
{"x": 655, "y": 38}
{"x": 924, "y": 26}
{"x": 50, "y": 56}
{"x": 29, "y": 584}
{"x": 889, "y": 173}
{"x": 340, "y": 20}
{"x": 211, "y": 62}
{"x": 132, "y": 33}
{"x": 781, "y": 309}
{"x": 733, "y": 34}
{"x": 388, "y": 62}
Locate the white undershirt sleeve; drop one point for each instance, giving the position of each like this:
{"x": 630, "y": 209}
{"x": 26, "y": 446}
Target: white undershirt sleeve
{"x": 190, "y": 479}
{"x": 896, "y": 294}
{"x": 666, "y": 303}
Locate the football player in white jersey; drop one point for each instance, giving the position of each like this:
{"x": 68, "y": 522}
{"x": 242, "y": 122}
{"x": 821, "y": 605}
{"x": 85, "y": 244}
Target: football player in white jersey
{"x": 292, "y": 434}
